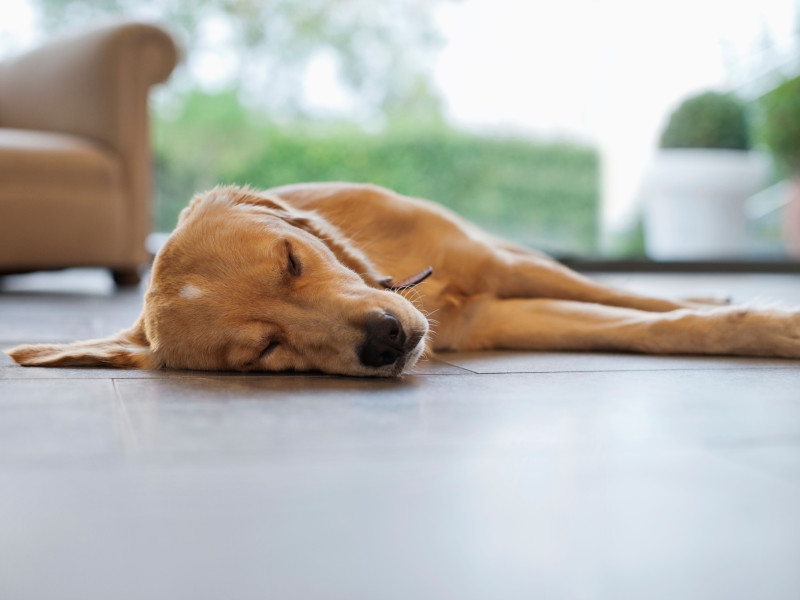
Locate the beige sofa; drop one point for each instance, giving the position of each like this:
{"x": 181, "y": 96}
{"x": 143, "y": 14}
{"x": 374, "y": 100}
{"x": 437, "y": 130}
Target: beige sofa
{"x": 75, "y": 163}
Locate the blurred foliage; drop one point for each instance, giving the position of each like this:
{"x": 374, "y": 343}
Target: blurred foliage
{"x": 708, "y": 120}
{"x": 779, "y": 125}
{"x": 628, "y": 243}
{"x": 538, "y": 193}
{"x": 381, "y": 50}
{"x": 380, "y": 54}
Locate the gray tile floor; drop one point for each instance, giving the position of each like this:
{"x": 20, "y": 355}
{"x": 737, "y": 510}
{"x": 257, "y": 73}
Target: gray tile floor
{"x": 494, "y": 475}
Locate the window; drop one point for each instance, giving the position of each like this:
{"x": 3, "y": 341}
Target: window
{"x": 540, "y": 121}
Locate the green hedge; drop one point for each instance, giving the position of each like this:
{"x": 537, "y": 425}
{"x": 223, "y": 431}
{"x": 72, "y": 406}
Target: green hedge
{"x": 543, "y": 194}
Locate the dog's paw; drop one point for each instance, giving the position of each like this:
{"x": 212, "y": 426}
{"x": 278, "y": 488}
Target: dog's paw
{"x": 773, "y": 332}
{"x": 710, "y": 300}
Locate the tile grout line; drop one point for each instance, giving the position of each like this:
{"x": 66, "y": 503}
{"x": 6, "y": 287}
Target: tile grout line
{"x": 469, "y": 371}
{"x": 130, "y": 442}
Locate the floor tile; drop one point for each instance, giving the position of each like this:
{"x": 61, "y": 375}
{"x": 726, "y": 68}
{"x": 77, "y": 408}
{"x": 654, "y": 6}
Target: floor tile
{"x": 34, "y": 319}
{"x": 553, "y": 362}
{"x": 624, "y": 527}
{"x": 780, "y": 457}
{"x": 582, "y": 413}
{"x": 59, "y": 422}
{"x": 52, "y": 327}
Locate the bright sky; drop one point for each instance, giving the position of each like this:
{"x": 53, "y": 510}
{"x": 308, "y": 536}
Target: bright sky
{"x": 603, "y": 71}
{"x": 559, "y": 66}
{"x": 606, "y": 71}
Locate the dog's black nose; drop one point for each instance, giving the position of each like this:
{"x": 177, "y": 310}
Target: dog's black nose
{"x": 383, "y": 342}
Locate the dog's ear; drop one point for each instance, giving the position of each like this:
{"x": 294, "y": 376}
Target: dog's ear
{"x": 189, "y": 208}
{"x": 230, "y": 195}
{"x": 250, "y": 196}
{"x": 127, "y": 350}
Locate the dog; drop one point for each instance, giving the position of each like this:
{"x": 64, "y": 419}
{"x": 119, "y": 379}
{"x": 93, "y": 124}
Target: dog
{"x": 355, "y": 279}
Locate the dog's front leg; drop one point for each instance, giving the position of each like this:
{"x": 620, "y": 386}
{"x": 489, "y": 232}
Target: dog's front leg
{"x": 540, "y": 324}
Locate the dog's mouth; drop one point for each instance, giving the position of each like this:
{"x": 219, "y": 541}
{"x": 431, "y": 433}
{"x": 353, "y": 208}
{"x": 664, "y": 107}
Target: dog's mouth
{"x": 412, "y": 351}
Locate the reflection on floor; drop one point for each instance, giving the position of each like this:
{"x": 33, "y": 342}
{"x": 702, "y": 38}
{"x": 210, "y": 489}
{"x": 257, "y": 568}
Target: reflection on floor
{"x": 494, "y": 475}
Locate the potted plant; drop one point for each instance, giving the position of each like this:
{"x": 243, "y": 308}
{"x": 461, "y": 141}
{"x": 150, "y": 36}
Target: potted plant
{"x": 696, "y": 188}
{"x": 780, "y": 131}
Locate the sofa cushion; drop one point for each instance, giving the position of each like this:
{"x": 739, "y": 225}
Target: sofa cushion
{"x": 42, "y": 156}
{"x": 61, "y": 201}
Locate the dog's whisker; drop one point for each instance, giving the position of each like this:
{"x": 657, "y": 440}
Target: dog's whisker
{"x": 412, "y": 295}
{"x": 414, "y": 299}
{"x": 428, "y": 314}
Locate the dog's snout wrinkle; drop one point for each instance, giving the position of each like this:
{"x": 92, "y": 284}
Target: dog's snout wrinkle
{"x": 384, "y": 340}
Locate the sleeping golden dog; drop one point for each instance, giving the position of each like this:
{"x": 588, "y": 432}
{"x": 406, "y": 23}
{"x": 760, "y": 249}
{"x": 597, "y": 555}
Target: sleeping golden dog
{"x": 334, "y": 277}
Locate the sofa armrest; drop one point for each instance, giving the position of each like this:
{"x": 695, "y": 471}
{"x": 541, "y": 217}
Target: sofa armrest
{"x": 94, "y": 85}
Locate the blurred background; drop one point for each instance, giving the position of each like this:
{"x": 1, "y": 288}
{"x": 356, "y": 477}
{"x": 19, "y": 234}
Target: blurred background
{"x": 562, "y": 125}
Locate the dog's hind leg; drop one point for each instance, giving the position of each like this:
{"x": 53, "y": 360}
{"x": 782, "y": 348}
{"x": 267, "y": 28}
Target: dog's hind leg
{"x": 509, "y": 274}
{"x": 542, "y": 324}
{"x": 514, "y": 275}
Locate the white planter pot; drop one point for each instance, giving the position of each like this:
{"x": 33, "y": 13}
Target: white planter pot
{"x": 694, "y": 202}
{"x": 791, "y": 219}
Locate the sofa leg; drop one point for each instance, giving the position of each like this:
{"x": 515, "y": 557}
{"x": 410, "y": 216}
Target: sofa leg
{"x": 126, "y": 277}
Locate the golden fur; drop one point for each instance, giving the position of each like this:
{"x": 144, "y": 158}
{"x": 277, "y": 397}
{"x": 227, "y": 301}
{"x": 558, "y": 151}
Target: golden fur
{"x": 295, "y": 278}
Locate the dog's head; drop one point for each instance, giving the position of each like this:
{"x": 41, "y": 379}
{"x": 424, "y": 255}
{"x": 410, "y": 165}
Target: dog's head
{"x": 246, "y": 282}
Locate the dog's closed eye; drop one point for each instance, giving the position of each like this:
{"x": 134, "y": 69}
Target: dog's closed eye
{"x": 293, "y": 265}
{"x": 268, "y": 349}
